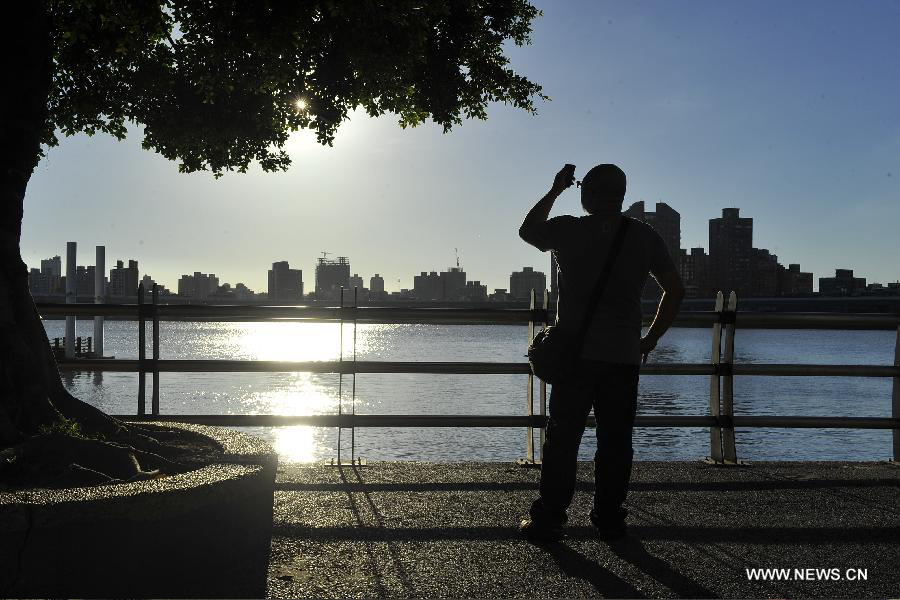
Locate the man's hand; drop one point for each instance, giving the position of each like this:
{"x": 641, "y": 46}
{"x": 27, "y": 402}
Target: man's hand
{"x": 648, "y": 344}
{"x": 539, "y": 213}
{"x": 564, "y": 179}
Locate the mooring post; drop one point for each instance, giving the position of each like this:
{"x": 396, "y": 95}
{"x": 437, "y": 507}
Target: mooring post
{"x": 71, "y": 297}
{"x": 99, "y": 298}
{"x": 142, "y": 353}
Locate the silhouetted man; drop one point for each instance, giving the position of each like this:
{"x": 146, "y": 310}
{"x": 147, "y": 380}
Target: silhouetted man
{"x": 608, "y": 367}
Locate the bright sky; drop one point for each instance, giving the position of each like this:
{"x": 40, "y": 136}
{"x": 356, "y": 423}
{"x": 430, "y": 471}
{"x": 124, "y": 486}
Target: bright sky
{"x": 788, "y": 110}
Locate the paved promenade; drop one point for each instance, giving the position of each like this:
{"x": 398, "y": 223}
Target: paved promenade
{"x": 416, "y": 530}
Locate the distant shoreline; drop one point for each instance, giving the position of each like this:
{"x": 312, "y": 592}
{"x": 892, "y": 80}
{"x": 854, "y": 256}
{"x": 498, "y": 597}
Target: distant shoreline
{"x": 826, "y": 304}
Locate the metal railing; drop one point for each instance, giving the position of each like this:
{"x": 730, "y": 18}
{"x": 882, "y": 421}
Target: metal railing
{"x": 721, "y": 369}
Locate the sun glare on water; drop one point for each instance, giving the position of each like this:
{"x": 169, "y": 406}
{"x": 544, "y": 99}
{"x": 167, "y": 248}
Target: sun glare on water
{"x": 304, "y": 393}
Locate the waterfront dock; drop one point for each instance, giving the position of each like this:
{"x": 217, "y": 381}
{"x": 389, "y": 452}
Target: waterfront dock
{"x": 411, "y": 530}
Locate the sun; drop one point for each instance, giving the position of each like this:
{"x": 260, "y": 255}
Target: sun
{"x": 300, "y": 104}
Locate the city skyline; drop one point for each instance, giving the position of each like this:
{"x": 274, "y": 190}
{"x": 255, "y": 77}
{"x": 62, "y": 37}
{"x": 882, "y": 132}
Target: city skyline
{"x": 670, "y": 232}
{"x": 791, "y": 118}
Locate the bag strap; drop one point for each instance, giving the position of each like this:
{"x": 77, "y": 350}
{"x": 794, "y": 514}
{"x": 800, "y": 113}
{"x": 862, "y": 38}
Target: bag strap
{"x": 601, "y": 284}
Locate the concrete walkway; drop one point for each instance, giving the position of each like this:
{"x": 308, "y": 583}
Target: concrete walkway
{"x": 410, "y": 530}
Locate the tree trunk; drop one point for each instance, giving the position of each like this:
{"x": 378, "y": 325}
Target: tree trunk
{"x": 26, "y": 375}
{"x": 32, "y": 395}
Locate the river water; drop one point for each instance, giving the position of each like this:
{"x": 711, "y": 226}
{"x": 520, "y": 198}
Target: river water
{"x": 310, "y": 393}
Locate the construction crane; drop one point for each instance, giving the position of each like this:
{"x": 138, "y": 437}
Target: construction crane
{"x": 325, "y": 255}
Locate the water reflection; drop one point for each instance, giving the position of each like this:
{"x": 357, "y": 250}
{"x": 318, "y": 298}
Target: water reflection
{"x": 659, "y": 401}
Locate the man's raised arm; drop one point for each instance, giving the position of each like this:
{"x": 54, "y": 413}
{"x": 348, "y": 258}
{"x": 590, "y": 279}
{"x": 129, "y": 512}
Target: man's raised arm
{"x": 538, "y": 214}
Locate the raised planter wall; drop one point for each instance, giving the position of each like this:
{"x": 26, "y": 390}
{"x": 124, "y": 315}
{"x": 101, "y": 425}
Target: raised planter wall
{"x": 202, "y": 534}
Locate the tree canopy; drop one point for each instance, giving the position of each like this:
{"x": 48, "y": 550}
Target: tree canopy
{"x": 218, "y": 85}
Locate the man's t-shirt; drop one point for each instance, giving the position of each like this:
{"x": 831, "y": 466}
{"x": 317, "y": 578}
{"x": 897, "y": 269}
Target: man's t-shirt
{"x": 581, "y": 245}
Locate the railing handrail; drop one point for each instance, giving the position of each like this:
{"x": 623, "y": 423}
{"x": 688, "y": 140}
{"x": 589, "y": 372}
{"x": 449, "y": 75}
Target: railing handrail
{"x": 401, "y": 314}
{"x": 721, "y": 419}
{"x": 456, "y": 367}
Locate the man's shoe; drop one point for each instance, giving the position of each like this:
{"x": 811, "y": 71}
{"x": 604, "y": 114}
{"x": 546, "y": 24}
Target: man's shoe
{"x": 539, "y": 532}
{"x": 609, "y": 531}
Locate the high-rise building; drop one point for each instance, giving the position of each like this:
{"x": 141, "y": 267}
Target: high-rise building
{"x": 331, "y": 276}
{"x": 794, "y": 282}
{"x": 842, "y": 284}
{"x": 198, "y": 286}
{"x": 48, "y": 280}
{"x": 84, "y": 282}
{"x": 285, "y": 283}
{"x": 376, "y": 284}
{"x": 694, "y": 268}
{"x": 666, "y": 221}
{"x": 356, "y": 282}
{"x": 427, "y": 286}
{"x": 123, "y": 281}
{"x": 522, "y": 282}
{"x": 52, "y": 266}
{"x": 731, "y": 253}
{"x": 765, "y": 274}
{"x": 449, "y": 285}
{"x": 453, "y": 284}
{"x": 474, "y": 291}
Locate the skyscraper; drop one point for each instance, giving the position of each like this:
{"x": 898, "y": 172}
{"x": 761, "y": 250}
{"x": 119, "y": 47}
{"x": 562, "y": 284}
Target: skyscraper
{"x": 123, "y": 281}
{"x": 52, "y": 266}
{"x": 765, "y": 272}
{"x": 522, "y": 282}
{"x": 331, "y": 276}
{"x": 453, "y": 284}
{"x": 695, "y": 273}
{"x": 731, "y": 252}
{"x": 285, "y": 283}
{"x": 376, "y": 284}
{"x": 427, "y": 286}
{"x": 666, "y": 221}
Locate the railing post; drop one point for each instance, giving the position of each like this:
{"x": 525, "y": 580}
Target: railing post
{"x": 530, "y": 396}
{"x": 715, "y": 433}
{"x": 895, "y": 398}
{"x": 154, "y": 399}
{"x": 142, "y": 354}
{"x": 543, "y": 388}
{"x": 730, "y": 320}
